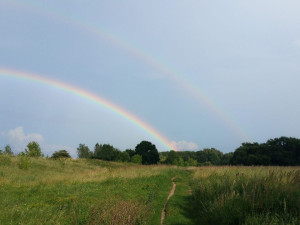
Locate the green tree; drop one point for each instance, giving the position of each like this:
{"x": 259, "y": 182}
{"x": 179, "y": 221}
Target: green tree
{"x": 124, "y": 157}
{"x": 240, "y": 155}
{"x": 148, "y": 152}
{"x": 226, "y": 158}
{"x": 179, "y": 162}
{"x": 97, "y": 151}
{"x": 201, "y": 157}
{"x": 136, "y": 159}
{"x": 33, "y": 149}
{"x": 7, "y": 150}
{"x": 130, "y": 152}
{"x": 83, "y": 151}
{"x": 172, "y": 158}
{"x": 191, "y": 162}
{"x": 108, "y": 153}
{"x": 60, "y": 154}
{"x": 213, "y": 155}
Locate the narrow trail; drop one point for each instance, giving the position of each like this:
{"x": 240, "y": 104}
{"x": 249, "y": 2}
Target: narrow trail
{"x": 163, "y": 213}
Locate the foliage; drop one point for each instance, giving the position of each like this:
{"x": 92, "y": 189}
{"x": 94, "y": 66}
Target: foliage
{"x": 109, "y": 153}
{"x": 148, "y": 152}
{"x": 83, "y": 151}
{"x": 226, "y": 158}
{"x": 210, "y": 155}
{"x": 130, "y": 152}
{"x": 191, "y": 162}
{"x": 5, "y": 160}
{"x": 123, "y": 156}
{"x": 24, "y": 162}
{"x": 7, "y": 150}
{"x": 279, "y": 151}
{"x": 172, "y": 158}
{"x": 136, "y": 159}
{"x": 60, "y": 154}
{"x": 33, "y": 149}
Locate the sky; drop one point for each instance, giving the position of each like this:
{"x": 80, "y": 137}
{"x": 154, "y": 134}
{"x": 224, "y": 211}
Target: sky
{"x": 200, "y": 74}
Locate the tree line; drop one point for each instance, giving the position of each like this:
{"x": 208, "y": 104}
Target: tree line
{"x": 283, "y": 151}
{"x": 144, "y": 153}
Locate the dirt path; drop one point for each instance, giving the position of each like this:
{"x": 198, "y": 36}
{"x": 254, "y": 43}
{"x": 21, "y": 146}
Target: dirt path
{"x": 163, "y": 213}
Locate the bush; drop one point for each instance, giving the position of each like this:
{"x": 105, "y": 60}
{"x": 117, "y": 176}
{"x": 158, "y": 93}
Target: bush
{"x": 60, "y": 154}
{"x": 5, "y": 160}
{"x": 24, "y": 162}
{"x": 136, "y": 159}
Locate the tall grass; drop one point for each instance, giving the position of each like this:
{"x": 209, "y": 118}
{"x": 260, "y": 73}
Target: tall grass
{"x": 50, "y": 191}
{"x": 247, "y": 195}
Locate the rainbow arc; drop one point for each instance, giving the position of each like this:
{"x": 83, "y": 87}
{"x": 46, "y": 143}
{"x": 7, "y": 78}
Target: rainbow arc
{"x": 77, "y": 91}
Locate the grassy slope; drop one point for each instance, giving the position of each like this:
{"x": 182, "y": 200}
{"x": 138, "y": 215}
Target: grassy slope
{"x": 82, "y": 192}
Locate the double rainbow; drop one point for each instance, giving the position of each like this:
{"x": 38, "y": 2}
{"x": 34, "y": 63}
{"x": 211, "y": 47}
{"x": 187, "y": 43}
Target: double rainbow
{"x": 181, "y": 81}
{"x": 90, "y": 97}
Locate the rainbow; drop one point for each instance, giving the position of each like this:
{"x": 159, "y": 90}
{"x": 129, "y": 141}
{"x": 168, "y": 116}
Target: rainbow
{"x": 179, "y": 80}
{"x": 90, "y": 97}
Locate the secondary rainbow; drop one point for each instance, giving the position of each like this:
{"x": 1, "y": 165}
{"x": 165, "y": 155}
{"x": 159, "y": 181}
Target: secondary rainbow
{"x": 90, "y": 97}
{"x": 180, "y": 80}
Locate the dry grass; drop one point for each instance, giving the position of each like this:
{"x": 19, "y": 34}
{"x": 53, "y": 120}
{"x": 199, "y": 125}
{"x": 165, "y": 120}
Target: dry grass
{"x": 118, "y": 213}
{"x": 45, "y": 171}
{"x": 231, "y": 194}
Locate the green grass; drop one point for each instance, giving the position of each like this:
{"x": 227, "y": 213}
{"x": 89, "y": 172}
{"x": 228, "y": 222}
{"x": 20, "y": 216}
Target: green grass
{"x": 247, "y": 195}
{"x": 82, "y": 192}
{"x": 181, "y": 207}
{"x": 46, "y": 191}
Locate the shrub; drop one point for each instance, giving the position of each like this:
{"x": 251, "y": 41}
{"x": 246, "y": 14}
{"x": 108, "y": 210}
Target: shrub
{"x": 5, "y": 160}
{"x": 60, "y": 154}
{"x": 136, "y": 159}
{"x": 24, "y": 162}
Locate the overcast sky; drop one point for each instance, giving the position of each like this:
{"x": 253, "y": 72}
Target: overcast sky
{"x": 203, "y": 73}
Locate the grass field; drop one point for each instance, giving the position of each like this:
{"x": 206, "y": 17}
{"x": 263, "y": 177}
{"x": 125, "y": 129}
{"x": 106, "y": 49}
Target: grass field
{"x": 45, "y": 191}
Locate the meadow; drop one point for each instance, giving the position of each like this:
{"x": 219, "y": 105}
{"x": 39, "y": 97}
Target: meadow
{"x": 87, "y": 191}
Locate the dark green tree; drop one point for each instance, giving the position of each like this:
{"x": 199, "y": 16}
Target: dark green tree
{"x": 83, "y": 151}
{"x": 130, "y": 152}
{"x": 7, "y": 150}
{"x": 283, "y": 151}
{"x": 97, "y": 151}
{"x": 33, "y": 149}
{"x": 123, "y": 156}
{"x": 240, "y": 156}
{"x": 172, "y": 158}
{"x": 108, "y": 153}
{"x": 226, "y": 159}
{"x": 148, "y": 152}
{"x": 201, "y": 157}
{"x": 213, "y": 155}
{"x": 60, "y": 154}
